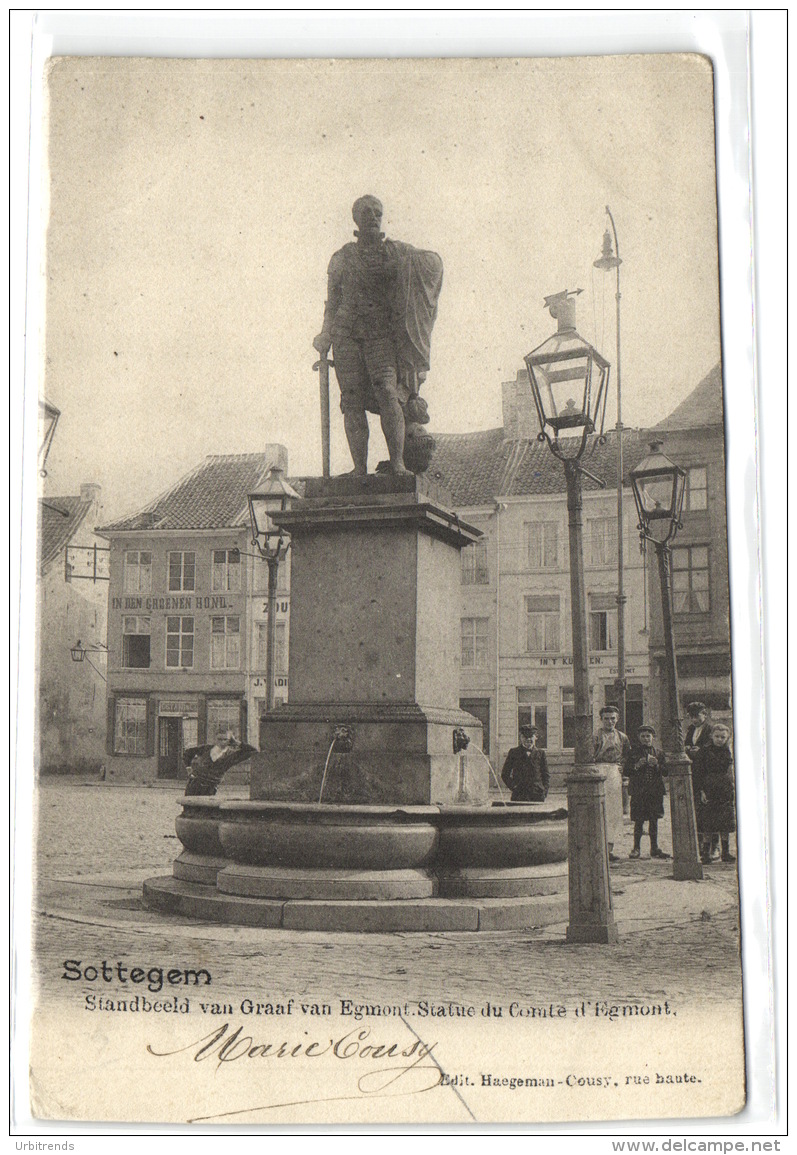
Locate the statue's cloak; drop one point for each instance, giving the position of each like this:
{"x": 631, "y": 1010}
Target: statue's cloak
{"x": 418, "y": 283}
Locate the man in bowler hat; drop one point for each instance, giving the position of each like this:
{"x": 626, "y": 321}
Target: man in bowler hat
{"x": 525, "y": 771}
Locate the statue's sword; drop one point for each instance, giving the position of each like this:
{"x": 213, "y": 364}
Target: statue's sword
{"x": 323, "y": 367}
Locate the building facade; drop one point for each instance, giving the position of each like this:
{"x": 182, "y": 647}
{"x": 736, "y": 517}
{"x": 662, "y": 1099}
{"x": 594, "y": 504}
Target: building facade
{"x": 693, "y": 437}
{"x": 188, "y": 611}
{"x": 72, "y": 608}
{"x": 517, "y": 654}
{"x": 188, "y": 621}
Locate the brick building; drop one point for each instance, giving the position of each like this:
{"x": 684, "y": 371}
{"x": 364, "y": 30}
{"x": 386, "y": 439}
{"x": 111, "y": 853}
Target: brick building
{"x": 187, "y": 620}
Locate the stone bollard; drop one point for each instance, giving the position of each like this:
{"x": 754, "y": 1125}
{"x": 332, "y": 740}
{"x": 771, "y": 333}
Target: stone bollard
{"x": 685, "y": 854}
{"x": 590, "y": 895}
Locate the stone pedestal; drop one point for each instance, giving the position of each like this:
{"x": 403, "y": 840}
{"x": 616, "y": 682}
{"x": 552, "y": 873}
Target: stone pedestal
{"x": 375, "y": 638}
{"x": 591, "y": 913}
{"x": 369, "y": 799}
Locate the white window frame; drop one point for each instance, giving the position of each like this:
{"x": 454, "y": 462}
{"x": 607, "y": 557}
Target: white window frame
{"x": 549, "y": 625}
{"x": 475, "y": 632}
{"x": 542, "y": 545}
{"x": 601, "y": 542}
{"x": 130, "y": 741}
{"x": 474, "y": 564}
{"x": 221, "y": 642}
{"x": 226, "y": 574}
{"x": 182, "y": 585}
{"x": 691, "y": 590}
{"x": 182, "y": 633}
{"x": 137, "y": 574}
{"x": 602, "y": 605}
{"x": 223, "y": 715}
{"x": 692, "y": 491}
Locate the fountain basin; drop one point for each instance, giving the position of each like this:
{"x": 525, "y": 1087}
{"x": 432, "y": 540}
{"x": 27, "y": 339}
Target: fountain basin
{"x": 520, "y": 835}
{"x": 305, "y": 866}
{"x": 318, "y": 836}
{"x": 198, "y": 826}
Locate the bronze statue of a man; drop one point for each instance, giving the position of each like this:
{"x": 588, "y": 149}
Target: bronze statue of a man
{"x": 381, "y": 306}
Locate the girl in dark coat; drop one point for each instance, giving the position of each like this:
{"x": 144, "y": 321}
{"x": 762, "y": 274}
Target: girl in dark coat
{"x": 713, "y": 785}
{"x": 644, "y": 769}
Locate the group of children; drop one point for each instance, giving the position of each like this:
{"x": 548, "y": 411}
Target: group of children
{"x": 708, "y": 746}
{"x": 642, "y": 766}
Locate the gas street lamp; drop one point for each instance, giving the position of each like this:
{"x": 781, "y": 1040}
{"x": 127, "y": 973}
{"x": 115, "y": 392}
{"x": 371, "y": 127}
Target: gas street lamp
{"x": 659, "y": 495}
{"x": 273, "y": 497}
{"x": 569, "y": 381}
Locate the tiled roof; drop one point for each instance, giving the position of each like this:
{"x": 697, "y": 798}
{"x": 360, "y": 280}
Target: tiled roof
{"x": 702, "y": 407}
{"x": 59, "y": 520}
{"x": 212, "y": 496}
{"x": 478, "y": 467}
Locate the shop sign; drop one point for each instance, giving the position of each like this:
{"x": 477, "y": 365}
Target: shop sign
{"x": 185, "y": 602}
{"x": 594, "y": 660}
{"x": 181, "y": 707}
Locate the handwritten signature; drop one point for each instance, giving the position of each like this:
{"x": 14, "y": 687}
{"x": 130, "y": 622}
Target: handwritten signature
{"x": 413, "y": 1071}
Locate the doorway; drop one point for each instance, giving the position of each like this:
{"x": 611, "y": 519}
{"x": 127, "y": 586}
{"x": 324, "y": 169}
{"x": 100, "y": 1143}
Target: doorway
{"x": 169, "y": 743}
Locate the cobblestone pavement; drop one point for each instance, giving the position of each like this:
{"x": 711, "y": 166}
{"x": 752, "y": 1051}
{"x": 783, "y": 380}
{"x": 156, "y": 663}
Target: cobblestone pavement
{"x": 97, "y": 843}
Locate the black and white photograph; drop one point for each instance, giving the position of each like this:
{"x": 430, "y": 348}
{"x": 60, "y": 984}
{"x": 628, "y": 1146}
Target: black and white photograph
{"x": 388, "y": 758}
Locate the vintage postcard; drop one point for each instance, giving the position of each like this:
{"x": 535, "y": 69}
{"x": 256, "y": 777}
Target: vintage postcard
{"x": 386, "y": 769}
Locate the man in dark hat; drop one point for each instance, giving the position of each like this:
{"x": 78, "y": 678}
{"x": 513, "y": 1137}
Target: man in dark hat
{"x": 644, "y": 769}
{"x": 698, "y": 732}
{"x": 381, "y": 306}
{"x": 525, "y": 771}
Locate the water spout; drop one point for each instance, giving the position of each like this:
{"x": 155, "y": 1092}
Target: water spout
{"x": 498, "y": 783}
{"x": 326, "y": 767}
{"x": 344, "y": 737}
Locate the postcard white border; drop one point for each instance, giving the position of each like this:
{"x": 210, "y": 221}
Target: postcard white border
{"x": 723, "y": 36}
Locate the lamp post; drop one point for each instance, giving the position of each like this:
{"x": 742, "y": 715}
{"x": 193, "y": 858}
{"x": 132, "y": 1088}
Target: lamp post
{"x": 610, "y": 259}
{"x": 273, "y": 497}
{"x": 569, "y": 380}
{"x": 659, "y": 495}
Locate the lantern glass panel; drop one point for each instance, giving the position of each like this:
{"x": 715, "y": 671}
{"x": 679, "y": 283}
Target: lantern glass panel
{"x": 564, "y": 392}
{"x": 656, "y": 495}
{"x": 262, "y": 506}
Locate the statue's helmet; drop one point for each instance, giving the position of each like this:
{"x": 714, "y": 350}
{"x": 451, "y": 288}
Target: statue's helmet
{"x": 366, "y": 207}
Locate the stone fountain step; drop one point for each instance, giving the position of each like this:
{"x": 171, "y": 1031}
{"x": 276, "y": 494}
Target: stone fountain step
{"x": 310, "y": 883}
{"x": 175, "y": 896}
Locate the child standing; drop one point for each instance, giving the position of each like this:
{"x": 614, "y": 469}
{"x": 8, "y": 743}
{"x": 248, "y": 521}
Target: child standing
{"x": 713, "y": 785}
{"x": 644, "y": 769}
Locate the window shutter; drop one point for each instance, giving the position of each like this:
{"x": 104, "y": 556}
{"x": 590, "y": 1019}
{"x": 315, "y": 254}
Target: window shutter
{"x": 110, "y": 725}
{"x": 244, "y": 720}
{"x": 202, "y": 721}
{"x": 150, "y": 726}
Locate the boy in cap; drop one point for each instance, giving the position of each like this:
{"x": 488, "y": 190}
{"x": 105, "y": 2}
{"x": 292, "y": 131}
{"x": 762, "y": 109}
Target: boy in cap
{"x": 610, "y": 750}
{"x": 698, "y": 732}
{"x": 644, "y": 770}
{"x": 526, "y": 768}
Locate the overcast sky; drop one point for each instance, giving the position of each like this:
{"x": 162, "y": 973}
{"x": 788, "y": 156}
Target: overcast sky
{"x": 194, "y": 205}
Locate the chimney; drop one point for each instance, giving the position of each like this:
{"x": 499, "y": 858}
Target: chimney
{"x": 520, "y": 415}
{"x": 90, "y": 491}
{"x": 276, "y": 455}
